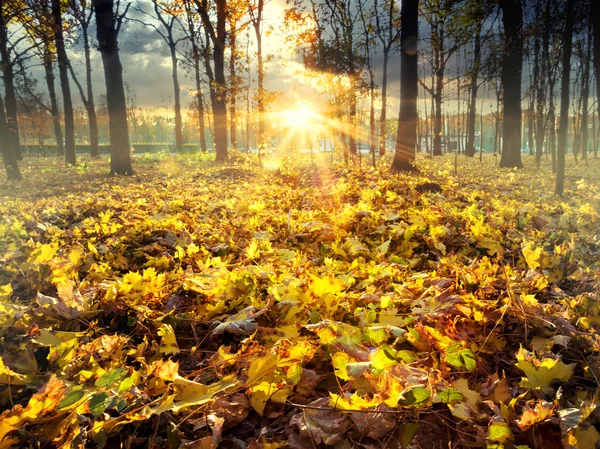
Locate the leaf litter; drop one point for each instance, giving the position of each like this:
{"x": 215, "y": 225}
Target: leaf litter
{"x": 306, "y": 307}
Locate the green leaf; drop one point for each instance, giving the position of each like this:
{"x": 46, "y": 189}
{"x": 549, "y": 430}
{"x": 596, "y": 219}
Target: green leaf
{"x": 500, "y": 432}
{"x": 357, "y": 369}
{"x": 414, "y": 396}
{"x": 450, "y": 396}
{"x": 98, "y": 403}
{"x": 460, "y": 357}
{"x": 126, "y": 384}
{"x": 407, "y": 433}
{"x": 383, "y": 248}
{"x": 109, "y": 378}
{"x": 72, "y": 398}
{"x": 406, "y": 356}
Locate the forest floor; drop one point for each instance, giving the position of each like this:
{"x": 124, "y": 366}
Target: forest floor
{"x": 303, "y": 305}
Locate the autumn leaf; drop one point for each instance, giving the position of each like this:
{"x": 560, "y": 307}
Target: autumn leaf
{"x": 168, "y": 341}
{"x": 193, "y": 394}
{"x": 541, "y": 373}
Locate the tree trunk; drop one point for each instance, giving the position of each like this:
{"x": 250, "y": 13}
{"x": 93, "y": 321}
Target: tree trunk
{"x": 260, "y": 103}
{"x": 544, "y": 75}
{"x": 497, "y": 124}
{"x": 90, "y": 106}
{"x": 120, "y": 160}
{"x": 481, "y": 130}
{"x": 552, "y": 127}
{"x": 352, "y": 116}
{"x": 426, "y": 126}
{"x": 470, "y": 148}
{"x": 596, "y": 31}
{"x": 49, "y": 72}
{"x": 404, "y": 157}
{"x": 12, "y": 123}
{"x": 220, "y": 103}
{"x": 512, "y": 66}
{"x": 585, "y": 92}
{"x": 8, "y": 155}
{"x": 211, "y": 81}
{"x": 200, "y": 105}
{"x": 177, "y": 98}
{"x": 564, "y": 100}
{"x": 594, "y": 135}
{"x": 233, "y": 89}
{"x": 437, "y": 124}
{"x": 372, "y": 143}
{"x": 383, "y": 117}
{"x": 63, "y": 70}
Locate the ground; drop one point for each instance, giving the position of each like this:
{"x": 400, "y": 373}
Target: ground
{"x": 303, "y": 305}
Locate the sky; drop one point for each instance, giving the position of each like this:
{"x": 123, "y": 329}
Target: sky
{"x": 147, "y": 65}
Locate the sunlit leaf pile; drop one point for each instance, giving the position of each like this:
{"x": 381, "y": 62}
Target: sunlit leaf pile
{"x": 304, "y": 306}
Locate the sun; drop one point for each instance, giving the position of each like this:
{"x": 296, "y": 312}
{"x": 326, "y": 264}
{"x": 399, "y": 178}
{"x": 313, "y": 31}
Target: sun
{"x": 301, "y": 116}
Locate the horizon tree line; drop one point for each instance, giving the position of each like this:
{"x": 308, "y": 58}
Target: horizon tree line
{"x": 523, "y": 51}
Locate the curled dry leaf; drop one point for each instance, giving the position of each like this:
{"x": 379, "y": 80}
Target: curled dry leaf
{"x": 316, "y": 426}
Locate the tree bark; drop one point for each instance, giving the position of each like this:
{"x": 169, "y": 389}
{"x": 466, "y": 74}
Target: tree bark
{"x": 8, "y": 156}
{"x": 177, "y": 97}
{"x": 90, "y": 107}
{"x": 585, "y": 92}
{"x": 260, "y": 103}
{"x": 200, "y": 106}
{"x": 352, "y": 147}
{"x": 552, "y": 127}
{"x": 233, "y": 91}
{"x": 543, "y": 80}
{"x": 383, "y": 116}
{"x": 10, "y": 99}
{"x": 406, "y": 139}
{"x": 63, "y": 70}
{"x": 194, "y": 37}
{"x": 437, "y": 121}
{"x": 512, "y": 66}
{"x": 218, "y": 36}
{"x": 595, "y": 13}
{"x": 564, "y": 100}
{"x": 120, "y": 160}
{"x": 470, "y": 147}
{"x": 49, "y": 72}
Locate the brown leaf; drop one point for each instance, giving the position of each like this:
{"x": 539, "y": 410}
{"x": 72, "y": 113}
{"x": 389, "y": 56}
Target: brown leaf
{"x": 322, "y": 425}
{"x": 375, "y": 425}
{"x": 232, "y": 408}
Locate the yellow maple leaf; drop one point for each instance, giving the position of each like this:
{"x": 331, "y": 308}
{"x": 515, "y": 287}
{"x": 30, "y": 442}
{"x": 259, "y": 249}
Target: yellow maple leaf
{"x": 532, "y": 256}
{"x": 43, "y": 254}
{"x": 541, "y": 373}
{"x": 168, "y": 341}
{"x": 268, "y": 391}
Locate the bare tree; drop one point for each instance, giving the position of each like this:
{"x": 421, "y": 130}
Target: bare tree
{"x": 406, "y": 141}
{"x": 194, "y": 37}
{"x": 63, "y": 70}
{"x": 512, "y": 68}
{"x": 215, "y": 28}
{"x": 387, "y": 29}
{"x": 108, "y": 24}
{"x": 564, "y": 99}
{"x": 82, "y": 12}
{"x": 168, "y": 13}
